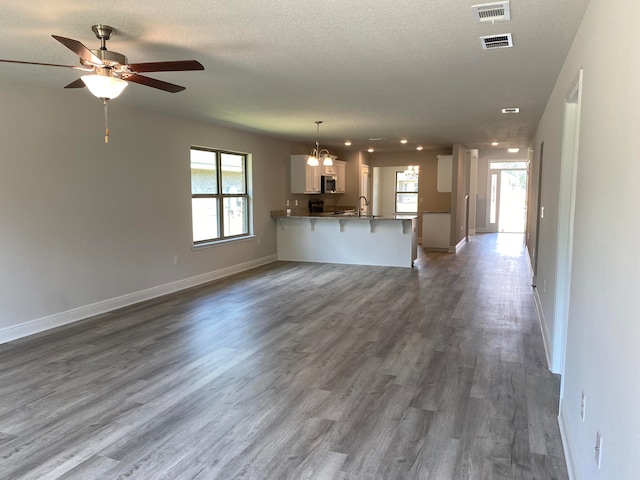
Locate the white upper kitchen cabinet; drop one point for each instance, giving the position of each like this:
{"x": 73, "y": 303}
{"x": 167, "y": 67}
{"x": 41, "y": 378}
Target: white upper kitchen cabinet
{"x": 329, "y": 169}
{"x": 340, "y": 168}
{"x": 304, "y": 178}
{"x": 445, "y": 166}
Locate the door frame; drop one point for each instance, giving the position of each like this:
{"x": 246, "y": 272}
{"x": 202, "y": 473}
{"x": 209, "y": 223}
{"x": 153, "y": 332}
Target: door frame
{"x": 493, "y": 227}
{"x": 566, "y": 214}
{"x": 365, "y": 188}
{"x": 536, "y": 247}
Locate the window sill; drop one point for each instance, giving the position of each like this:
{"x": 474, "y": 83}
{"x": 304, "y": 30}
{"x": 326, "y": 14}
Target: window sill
{"x": 226, "y": 241}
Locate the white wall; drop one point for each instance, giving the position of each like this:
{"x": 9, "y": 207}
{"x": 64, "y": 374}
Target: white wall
{"x": 384, "y": 196}
{"x": 82, "y": 222}
{"x": 603, "y": 343}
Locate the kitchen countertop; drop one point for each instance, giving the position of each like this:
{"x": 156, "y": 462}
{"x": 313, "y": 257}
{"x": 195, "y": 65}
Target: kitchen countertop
{"x": 340, "y": 216}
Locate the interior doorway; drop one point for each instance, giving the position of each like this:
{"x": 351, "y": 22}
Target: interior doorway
{"x": 566, "y": 211}
{"x": 508, "y": 196}
{"x": 365, "y": 182}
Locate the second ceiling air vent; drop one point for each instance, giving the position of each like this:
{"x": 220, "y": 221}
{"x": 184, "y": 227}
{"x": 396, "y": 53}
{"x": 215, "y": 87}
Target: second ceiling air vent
{"x": 492, "y": 12}
{"x": 504, "y": 40}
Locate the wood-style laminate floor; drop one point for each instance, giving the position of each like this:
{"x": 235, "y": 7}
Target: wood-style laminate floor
{"x": 297, "y": 371}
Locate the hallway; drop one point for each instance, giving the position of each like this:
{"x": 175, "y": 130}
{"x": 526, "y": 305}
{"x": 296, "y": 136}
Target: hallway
{"x": 296, "y": 371}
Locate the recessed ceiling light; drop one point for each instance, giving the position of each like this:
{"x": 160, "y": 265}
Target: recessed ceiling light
{"x": 347, "y": 143}
{"x": 370, "y": 150}
{"x": 511, "y": 110}
{"x": 419, "y": 148}
{"x": 403, "y": 141}
{"x": 513, "y": 150}
{"x": 495, "y": 144}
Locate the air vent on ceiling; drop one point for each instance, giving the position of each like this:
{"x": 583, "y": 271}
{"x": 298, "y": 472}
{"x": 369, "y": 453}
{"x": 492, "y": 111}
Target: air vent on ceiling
{"x": 511, "y": 110}
{"x": 503, "y": 40}
{"x": 492, "y": 12}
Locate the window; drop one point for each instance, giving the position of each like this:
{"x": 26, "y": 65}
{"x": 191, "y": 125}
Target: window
{"x": 406, "y": 192}
{"x": 508, "y": 165}
{"x": 219, "y": 198}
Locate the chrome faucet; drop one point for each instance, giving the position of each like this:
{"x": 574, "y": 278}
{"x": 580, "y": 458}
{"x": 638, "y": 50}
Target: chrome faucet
{"x": 366, "y": 202}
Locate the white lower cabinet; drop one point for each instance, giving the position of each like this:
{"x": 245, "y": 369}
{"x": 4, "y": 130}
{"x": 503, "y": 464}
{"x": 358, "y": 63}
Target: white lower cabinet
{"x": 436, "y": 230}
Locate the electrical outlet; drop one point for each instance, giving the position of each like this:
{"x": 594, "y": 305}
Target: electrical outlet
{"x": 296, "y": 203}
{"x": 598, "y": 448}
{"x": 258, "y": 241}
{"x": 583, "y": 405}
{"x": 544, "y": 286}
{"x": 175, "y": 259}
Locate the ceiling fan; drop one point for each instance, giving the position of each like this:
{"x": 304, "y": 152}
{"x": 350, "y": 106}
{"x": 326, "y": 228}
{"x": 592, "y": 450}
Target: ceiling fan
{"x": 108, "y": 72}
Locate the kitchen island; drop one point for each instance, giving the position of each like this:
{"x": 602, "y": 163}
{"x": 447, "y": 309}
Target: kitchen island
{"x": 389, "y": 240}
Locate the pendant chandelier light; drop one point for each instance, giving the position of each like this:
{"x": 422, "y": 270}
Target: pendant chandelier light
{"x": 412, "y": 172}
{"x": 317, "y": 154}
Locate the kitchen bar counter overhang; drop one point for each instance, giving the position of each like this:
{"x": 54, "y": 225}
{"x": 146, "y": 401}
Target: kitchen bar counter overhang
{"x": 386, "y": 240}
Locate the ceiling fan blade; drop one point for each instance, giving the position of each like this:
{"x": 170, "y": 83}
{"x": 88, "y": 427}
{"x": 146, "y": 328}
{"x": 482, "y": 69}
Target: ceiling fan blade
{"x": 152, "y": 82}
{"x": 177, "y": 66}
{"x": 76, "y": 84}
{"x": 79, "y": 49}
{"x": 76, "y": 67}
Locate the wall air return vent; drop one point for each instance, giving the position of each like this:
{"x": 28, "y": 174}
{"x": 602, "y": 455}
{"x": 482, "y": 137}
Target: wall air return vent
{"x": 492, "y": 12}
{"x": 503, "y": 40}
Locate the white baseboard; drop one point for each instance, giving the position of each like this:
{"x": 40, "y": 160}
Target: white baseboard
{"x": 568, "y": 447}
{"x": 39, "y": 325}
{"x": 459, "y": 246}
{"x": 546, "y": 339}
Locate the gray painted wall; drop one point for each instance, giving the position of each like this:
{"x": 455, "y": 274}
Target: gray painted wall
{"x": 602, "y": 353}
{"x": 83, "y": 222}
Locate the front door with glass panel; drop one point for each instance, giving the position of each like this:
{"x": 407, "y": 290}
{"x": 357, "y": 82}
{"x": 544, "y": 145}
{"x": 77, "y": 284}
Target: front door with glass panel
{"x": 507, "y": 196}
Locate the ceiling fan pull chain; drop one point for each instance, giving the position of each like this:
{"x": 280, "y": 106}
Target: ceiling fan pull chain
{"x": 106, "y": 121}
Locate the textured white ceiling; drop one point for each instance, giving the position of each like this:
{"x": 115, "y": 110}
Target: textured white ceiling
{"x": 368, "y": 68}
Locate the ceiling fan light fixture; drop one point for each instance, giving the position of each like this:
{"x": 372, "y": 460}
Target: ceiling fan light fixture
{"x": 103, "y": 86}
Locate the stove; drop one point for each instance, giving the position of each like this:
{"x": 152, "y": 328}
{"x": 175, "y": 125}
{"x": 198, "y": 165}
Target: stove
{"x": 316, "y": 206}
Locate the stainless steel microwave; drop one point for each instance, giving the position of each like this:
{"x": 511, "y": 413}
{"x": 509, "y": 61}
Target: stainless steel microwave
{"x": 327, "y": 184}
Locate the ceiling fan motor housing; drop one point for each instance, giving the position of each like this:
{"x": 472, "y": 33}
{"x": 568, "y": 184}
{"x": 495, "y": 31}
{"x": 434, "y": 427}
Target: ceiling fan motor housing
{"x": 110, "y": 58}
{"x": 103, "y": 31}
